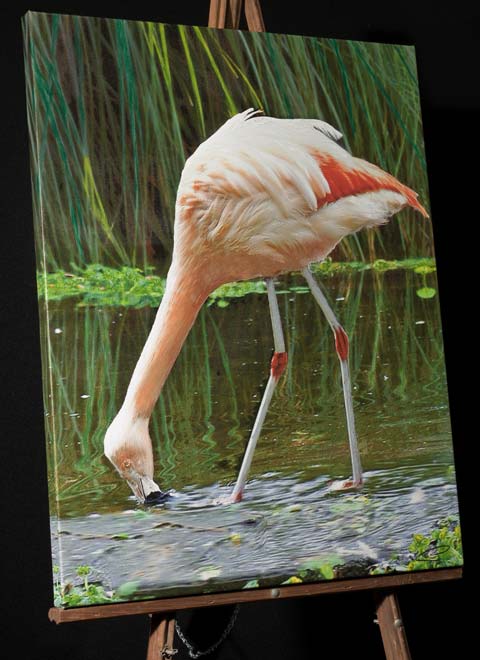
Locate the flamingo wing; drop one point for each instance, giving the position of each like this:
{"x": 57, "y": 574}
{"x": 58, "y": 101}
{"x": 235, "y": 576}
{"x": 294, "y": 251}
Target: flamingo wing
{"x": 259, "y": 181}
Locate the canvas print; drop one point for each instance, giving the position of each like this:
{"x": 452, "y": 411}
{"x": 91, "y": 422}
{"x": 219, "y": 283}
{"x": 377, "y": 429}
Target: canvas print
{"x": 243, "y": 367}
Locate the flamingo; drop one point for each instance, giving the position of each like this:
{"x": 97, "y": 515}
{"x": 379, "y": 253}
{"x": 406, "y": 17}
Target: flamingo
{"x": 260, "y": 197}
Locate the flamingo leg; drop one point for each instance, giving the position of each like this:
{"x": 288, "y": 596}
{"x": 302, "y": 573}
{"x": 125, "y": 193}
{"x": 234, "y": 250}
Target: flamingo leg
{"x": 341, "y": 345}
{"x": 277, "y": 367}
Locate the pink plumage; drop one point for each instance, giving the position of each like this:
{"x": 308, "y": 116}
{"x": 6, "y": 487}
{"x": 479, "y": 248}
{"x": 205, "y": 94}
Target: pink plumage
{"x": 260, "y": 197}
{"x": 274, "y": 195}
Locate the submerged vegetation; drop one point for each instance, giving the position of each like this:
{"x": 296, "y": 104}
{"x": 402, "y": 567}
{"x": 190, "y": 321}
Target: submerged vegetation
{"x": 115, "y": 107}
{"x": 132, "y": 287}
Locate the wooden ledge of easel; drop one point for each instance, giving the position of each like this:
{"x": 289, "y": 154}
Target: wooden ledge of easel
{"x": 59, "y": 615}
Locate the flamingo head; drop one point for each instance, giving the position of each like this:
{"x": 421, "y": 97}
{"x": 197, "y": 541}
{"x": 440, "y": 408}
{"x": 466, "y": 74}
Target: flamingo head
{"x": 128, "y": 447}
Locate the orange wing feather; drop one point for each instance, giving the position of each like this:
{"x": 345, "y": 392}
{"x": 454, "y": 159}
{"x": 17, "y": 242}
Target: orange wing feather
{"x": 345, "y": 181}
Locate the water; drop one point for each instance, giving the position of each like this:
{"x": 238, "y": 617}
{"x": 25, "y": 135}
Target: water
{"x": 202, "y": 422}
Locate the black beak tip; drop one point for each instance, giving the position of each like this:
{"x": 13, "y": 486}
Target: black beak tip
{"x": 156, "y": 497}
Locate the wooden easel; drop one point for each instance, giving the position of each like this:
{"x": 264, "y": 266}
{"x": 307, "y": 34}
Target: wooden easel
{"x": 226, "y": 14}
{"x": 162, "y": 615}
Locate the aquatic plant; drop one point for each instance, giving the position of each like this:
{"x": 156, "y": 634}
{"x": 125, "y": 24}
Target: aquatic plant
{"x": 425, "y": 291}
{"x": 131, "y": 287}
{"x": 86, "y": 593}
{"x": 440, "y": 548}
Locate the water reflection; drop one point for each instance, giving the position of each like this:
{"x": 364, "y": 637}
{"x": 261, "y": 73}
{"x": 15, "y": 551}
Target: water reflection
{"x": 208, "y": 406}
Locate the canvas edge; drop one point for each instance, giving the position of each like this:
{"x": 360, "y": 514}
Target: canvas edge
{"x": 45, "y": 348}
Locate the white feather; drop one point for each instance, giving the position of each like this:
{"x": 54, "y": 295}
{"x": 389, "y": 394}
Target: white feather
{"x": 255, "y": 185}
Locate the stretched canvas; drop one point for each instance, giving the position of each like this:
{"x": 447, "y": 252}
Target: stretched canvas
{"x": 287, "y": 419}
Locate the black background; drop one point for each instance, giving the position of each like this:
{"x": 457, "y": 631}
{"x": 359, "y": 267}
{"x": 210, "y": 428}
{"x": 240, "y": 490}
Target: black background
{"x": 436, "y": 616}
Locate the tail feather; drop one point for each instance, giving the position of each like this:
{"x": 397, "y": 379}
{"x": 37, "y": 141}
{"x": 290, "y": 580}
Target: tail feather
{"x": 412, "y": 198}
{"x": 356, "y": 176}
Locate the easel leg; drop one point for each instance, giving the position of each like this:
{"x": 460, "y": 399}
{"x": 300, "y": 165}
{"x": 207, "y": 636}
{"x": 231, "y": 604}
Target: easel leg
{"x": 391, "y": 625}
{"x": 162, "y": 631}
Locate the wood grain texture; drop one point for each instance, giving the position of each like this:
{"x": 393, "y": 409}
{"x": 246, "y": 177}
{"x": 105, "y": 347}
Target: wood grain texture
{"x": 157, "y": 637}
{"x": 217, "y": 14}
{"x": 226, "y": 13}
{"x": 234, "y": 10}
{"x": 391, "y": 625}
{"x": 254, "y": 15}
{"x": 59, "y": 615}
{"x": 162, "y": 632}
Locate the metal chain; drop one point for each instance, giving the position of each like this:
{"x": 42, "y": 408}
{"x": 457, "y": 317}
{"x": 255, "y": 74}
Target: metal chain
{"x": 194, "y": 653}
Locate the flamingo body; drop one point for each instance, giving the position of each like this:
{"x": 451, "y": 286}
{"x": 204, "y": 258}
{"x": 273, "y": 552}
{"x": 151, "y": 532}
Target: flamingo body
{"x": 263, "y": 196}
{"x": 260, "y": 197}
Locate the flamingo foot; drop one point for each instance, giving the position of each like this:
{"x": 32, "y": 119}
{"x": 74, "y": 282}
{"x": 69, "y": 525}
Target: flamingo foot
{"x": 230, "y": 499}
{"x": 238, "y": 497}
{"x": 345, "y": 484}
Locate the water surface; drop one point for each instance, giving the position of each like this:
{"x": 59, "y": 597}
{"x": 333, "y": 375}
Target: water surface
{"x": 203, "y": 419}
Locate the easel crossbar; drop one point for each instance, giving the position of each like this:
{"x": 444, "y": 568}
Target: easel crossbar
{"x": 59, "y": 615}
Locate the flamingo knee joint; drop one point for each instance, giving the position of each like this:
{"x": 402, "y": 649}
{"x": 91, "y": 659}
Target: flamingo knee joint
{"x": 341, "y": 342}
{"x": 278, "y": 364}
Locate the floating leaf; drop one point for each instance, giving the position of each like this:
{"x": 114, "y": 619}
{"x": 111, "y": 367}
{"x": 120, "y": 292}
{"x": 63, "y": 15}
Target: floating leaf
{"x": 383, "y": 264}
{"x": 127, "y": 589}
{"x": 293, "y": 580}
{"x": 327, "y": 571}
{"x": 300, "y": 289}
{"x": 424, "y": 269}
{"x": 209, "y": 573}
{"x": 251, "y": 584}
{"x": 426, "y": 292}
{"x": 236, "y": 539}
{"x": 140, "y": 514}
{"x": 323, "y": 564}
{"x": 293, "y": 508}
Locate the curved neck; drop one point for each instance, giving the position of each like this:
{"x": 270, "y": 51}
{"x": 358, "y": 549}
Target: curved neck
{"x": 178, "y": 310}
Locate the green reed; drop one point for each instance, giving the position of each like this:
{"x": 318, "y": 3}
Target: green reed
{"x": 115, "y": 107}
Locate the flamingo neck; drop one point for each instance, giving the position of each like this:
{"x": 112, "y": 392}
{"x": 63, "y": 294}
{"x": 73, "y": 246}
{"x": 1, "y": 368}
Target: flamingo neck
{"x": 178, "y": 310}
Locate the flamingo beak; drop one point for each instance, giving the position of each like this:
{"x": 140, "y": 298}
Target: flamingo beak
{"x": 144, "y": 488}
